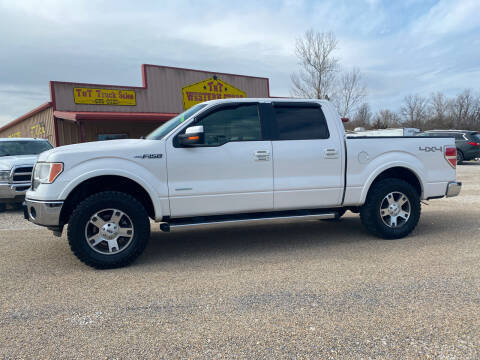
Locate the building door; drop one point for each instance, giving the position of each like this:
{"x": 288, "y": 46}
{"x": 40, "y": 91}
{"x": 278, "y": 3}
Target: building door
{"x": 230, "y": 173}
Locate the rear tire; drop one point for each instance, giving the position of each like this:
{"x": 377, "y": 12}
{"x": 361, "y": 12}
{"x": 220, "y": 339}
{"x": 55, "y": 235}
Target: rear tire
{"x": 120, "y": 235}
{"x": 391, "y": 210}
{"x": 460, "y": 157}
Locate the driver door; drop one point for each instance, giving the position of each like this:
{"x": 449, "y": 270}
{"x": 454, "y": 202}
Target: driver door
{"x": 231, "y": 172}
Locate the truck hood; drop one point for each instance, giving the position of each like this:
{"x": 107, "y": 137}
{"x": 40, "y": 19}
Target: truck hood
{"x": 85, "y": 151}
{"x": 7, "y": 162}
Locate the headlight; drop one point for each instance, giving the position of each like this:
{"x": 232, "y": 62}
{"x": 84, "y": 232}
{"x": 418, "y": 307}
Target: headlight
{"x": 4, "y": 176}
{"x": 46, "y": 173}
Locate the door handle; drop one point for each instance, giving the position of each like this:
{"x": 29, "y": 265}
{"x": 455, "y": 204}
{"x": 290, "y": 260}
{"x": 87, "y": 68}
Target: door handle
{"x": 262, "y": 155}
{"x": 331, "y": 154}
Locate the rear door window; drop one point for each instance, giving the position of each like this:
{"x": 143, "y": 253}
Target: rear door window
{"x": 300, "y": 122}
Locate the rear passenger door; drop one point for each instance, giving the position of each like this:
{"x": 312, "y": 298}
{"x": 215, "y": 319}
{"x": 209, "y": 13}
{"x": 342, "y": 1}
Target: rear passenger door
{"x": 307, "y": 158}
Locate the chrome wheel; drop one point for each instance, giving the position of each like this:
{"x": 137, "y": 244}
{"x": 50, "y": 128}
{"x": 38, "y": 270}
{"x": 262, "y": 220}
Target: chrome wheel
{"x": 109, "y": 231}
{"x": 395, "y": 209}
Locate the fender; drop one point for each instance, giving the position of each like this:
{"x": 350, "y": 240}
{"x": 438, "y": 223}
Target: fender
{"x": 116, "y": 167}
{"x": 382, "y": 163}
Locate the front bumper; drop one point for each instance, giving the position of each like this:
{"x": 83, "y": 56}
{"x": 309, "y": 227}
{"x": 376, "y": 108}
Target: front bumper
{"x": 453, "y": 189}
{"x": 45, "y": 213}
{"x": 13, "y": 192}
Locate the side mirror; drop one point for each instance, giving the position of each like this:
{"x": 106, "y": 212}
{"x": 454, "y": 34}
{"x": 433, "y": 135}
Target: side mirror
{"x": 193, "y": 136}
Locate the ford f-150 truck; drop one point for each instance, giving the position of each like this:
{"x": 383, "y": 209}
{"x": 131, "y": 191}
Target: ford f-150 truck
{"x": 17, "y": 157}
{"x": 235, "y": 160}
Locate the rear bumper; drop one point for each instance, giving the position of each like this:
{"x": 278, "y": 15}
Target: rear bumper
{"x": 44, "y": 213}
{"x": 13, "y": 192}
{"x": 471, "y": 154}
{"x": 453, "y": 189}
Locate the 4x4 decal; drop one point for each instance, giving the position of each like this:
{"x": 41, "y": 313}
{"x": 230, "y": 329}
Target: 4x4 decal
{"x": 430, "y": 148}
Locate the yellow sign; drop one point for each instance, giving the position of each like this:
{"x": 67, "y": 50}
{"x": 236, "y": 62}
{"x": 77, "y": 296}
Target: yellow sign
{"x": 209, "y": 89}
{"x": 37, "y": 130}
{"x": 104, "y": 96}
{"x": 15, "y": 134}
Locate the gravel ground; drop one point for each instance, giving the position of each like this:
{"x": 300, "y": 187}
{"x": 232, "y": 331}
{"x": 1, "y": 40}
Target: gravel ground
{"x": 308, "y": 289}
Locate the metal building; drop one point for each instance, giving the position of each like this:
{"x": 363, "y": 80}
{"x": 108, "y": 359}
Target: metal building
{"x": 79, "y": 112}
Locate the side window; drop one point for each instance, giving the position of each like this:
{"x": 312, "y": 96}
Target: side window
{"x": 459, "y": 136}
{"x": 240, "y": 123}
{"x": 300, "y": 123}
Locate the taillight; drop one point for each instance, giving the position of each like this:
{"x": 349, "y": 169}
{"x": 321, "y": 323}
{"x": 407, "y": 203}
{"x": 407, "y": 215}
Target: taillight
{"x": 473, "y": 143}
{"x": 451, "y": 155}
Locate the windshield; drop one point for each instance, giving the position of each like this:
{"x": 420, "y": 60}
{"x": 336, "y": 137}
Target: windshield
{"x": 159, "y": 133}
{"x": 23, "y": 147}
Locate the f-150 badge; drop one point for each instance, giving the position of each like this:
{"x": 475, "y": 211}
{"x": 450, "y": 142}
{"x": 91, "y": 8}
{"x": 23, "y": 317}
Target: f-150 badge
{"x": 149, "y": 156}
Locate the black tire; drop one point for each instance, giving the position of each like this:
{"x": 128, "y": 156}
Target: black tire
{"x": 3, "y": 207}
{"x": 337, "y": 217}
{"x": 370, "y": 211}
{"x": 460, "y": 157}
{"x": 95, "y": 203}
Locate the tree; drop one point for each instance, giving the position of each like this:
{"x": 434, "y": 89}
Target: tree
{"x": 350, "y": 93}
{"x": 386, "y": 119}
{"x": 361, "y": 118}
{"x": 439, "y": 107}
{"x": 315, "y": 79}
{"x": 414, "y": 110}
{"x": 463, "y": 110}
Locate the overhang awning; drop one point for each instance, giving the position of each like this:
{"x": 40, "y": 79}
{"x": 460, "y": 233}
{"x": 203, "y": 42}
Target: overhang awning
{"x": 112, "y": 116}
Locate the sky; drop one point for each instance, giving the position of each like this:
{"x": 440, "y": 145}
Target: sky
{"x": 401, "y": 46}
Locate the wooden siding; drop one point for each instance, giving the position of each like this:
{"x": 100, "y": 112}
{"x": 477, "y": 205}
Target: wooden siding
{"x": 68, "y": 132}
{"x": 39, "y": 125}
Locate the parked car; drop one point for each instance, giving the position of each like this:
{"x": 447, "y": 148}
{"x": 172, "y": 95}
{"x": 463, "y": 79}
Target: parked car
{"x": 235, "y": 160}
{"x": 17, "y": 158}
{"x": 467, "y": 142}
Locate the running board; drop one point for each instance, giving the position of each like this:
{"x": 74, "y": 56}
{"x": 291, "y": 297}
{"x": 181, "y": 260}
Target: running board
{"x": 245, "y": 218}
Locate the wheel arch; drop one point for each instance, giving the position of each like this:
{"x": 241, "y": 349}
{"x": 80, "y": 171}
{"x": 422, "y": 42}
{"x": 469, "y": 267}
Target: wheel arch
{"x": 100, "y": 183}
{"x": 396, "y": 172}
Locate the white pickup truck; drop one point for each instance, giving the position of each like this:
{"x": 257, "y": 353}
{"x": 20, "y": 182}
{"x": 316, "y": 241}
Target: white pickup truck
{"x": 17, "y": 158}
{"x": 230, "y": 161}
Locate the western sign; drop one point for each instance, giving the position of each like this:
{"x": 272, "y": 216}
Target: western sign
{"x": 209, "y": 89}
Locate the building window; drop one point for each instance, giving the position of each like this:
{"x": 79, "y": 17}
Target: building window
{"x": 112, "y": 136}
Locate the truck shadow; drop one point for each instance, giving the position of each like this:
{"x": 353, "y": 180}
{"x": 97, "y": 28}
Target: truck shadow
{"x": 227, "y": 242}
{"x": 248, "y": 239}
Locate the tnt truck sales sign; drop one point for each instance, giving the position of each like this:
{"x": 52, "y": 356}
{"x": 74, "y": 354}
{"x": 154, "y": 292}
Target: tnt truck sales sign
{"x": 104, "y": 96}
{"x": 209, "y": 89}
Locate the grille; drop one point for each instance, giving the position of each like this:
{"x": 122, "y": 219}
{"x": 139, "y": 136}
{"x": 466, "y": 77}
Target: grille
{"x": 22, "y": 174}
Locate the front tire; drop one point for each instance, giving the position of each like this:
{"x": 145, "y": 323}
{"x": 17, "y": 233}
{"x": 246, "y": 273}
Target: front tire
{"x": 391, "y": 210}
{"x": 109, "y": 229}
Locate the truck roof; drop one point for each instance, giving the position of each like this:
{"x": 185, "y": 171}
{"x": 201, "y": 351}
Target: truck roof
{"x": 222, "y": 101}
